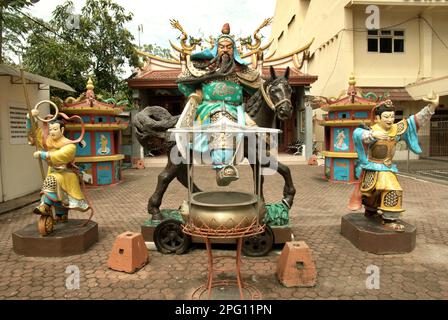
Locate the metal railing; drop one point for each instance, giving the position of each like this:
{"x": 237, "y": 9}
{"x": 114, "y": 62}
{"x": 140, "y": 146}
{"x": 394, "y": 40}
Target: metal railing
{"x": 433, "y": 162}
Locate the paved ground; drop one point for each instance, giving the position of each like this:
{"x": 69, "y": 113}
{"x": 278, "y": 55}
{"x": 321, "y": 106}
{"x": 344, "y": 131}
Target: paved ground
{"x": 432, "y": 169}
{"x": 315, "y": 216}
{"x": 19, "y": 202}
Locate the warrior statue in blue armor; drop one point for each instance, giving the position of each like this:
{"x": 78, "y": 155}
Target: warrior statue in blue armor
{"x": 380, "y": 191}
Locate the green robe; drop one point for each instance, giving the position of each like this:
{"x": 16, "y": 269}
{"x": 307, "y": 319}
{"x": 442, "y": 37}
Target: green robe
{"x": 217, "y": 94}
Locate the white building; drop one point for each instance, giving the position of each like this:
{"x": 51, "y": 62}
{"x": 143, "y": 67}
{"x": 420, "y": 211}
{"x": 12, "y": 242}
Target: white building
{"x": 404, "y": 56}
{"x": 19, "y": 171}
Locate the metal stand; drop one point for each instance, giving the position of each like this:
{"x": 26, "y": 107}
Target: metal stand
{"x": 245, "y": 228}
{"x": 236, "y": 233}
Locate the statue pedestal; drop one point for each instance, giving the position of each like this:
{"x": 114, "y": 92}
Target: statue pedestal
{"x": 368, "y": 234}
{"x": 66, "y": 239}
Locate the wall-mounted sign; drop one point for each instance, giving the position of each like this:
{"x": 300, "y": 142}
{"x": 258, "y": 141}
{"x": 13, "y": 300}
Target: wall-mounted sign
{"x": 17, "y": 125}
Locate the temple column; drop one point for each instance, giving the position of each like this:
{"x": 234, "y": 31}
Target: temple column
{"x": 299, "y": 106}
{"x": 308, "y": 126}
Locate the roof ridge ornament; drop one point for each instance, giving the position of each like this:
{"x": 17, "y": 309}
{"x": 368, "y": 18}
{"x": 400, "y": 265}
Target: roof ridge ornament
{"x": 90, "y": 85}
{"x": 352, "y": 80}
{"x": 247, "y": 42}
{"x": 89, "y": 93}
{"x": 187, "y": 49}
{"x": 252, "y": 43}
{"x": 351, "y": 87}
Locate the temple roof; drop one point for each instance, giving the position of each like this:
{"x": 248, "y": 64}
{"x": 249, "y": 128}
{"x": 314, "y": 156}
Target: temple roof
{"x": 271, "y": 58}
{"x": 158, "y": 72}
{"x": 296, "y": 77}
{"x": 167, "y": 78}
{"x": 87, "y": 103}
{"x": 352, "y": 99}
{"x": 393, "y": 93}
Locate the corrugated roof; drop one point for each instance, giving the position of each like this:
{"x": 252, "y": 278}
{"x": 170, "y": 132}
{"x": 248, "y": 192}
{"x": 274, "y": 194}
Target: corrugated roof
{"x": 33, "y": 78}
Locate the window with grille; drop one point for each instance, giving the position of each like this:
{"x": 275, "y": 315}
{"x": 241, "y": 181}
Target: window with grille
{"x": 385, "y": 41}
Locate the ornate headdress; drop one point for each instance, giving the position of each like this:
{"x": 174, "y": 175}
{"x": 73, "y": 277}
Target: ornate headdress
{"x": 385, "y": 105}
{"x": 225, "y": 33}
{"x": 210, "y": 54}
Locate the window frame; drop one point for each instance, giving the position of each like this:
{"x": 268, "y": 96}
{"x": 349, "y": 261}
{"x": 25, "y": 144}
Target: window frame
{"x": 378, "y": 36}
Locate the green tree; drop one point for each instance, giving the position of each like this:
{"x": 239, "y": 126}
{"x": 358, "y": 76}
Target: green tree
{"x": 13, "y": 29}
{"x": 57, "y": 58}
{"x": 109, "y": 42}
{"x": 94, "y": 43}
{"x": 157, "y": 50}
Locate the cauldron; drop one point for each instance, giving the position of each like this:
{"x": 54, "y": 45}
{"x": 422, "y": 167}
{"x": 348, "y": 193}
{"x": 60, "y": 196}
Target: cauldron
{"x": 227, "y": 209}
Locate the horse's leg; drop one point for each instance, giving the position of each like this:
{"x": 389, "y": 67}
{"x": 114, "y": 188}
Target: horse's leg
{"x": 182, "y": 177}
{"x": 163, "y": 181}
{"x": 289, "y": 191}
{"x": 249, "y": 148}
{"x": 256, "y": 181}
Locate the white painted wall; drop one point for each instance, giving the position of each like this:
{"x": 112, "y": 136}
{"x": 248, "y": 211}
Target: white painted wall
{"x": 20, "y": 173}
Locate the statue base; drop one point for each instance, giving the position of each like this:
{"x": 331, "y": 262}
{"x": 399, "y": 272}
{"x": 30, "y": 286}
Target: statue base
{"x": 368, "y": 234}
{"x": 66, "y": 239}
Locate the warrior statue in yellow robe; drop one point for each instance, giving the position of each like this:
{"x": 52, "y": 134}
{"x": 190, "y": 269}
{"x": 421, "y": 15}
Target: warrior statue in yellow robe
{"x": 61, "y": 187}
{"x": 379, "y": 188}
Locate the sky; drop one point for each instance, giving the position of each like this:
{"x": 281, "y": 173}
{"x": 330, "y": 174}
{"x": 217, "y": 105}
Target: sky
{"x": 199, "y": 18}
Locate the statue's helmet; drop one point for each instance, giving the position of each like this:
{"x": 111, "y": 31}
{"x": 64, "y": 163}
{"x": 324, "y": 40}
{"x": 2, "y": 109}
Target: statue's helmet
{"x": 225, "y": 29}
{"x": 225, "y": 35}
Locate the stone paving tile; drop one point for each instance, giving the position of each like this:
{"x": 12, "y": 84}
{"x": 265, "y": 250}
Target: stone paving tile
{"x": 315, "y": 218}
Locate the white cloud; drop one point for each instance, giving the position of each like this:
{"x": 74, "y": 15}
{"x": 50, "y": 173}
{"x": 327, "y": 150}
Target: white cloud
{"x": 198, "y": 17}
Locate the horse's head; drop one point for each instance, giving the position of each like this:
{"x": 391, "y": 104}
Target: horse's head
{"x": 277, "y": 94}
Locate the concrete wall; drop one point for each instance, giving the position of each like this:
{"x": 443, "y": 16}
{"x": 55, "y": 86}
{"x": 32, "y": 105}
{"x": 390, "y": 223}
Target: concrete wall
{"x": 324, "y": 21}
{"x": 388, "y": 69}
{"x": 439, "y": 52}
{"x": 20, "y": 173}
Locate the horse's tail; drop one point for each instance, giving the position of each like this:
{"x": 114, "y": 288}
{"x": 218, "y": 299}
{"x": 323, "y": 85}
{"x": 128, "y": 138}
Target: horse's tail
{"x": 151, "y": 125}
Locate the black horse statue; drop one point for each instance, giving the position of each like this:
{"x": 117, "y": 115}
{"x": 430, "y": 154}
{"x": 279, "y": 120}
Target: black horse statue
{"x": 152, "y": 123}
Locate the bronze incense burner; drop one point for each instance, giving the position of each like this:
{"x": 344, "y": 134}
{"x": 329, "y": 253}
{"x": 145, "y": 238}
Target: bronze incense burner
{"x": 227, "y": 209}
